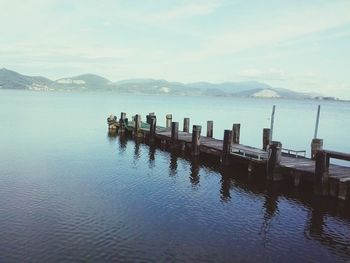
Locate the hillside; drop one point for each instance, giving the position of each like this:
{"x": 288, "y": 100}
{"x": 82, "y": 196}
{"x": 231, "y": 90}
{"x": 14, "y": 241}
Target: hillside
{"x": 91, "y": 82}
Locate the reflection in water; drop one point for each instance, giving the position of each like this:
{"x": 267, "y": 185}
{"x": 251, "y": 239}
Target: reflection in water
{"x": 123, "y": 141}
{"x": 173, "y": 163}
{"x": 137, "y": 143}
{"x": 225, "y": 186}
{"x": 194, "y": 176}
{"x": 232, "y": 179}
{"x": 270, "y": 207}
{"x": 112, "y": 135}
{"x": 151, "y": 155}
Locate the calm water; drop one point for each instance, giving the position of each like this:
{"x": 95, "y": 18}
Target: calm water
{"x": 69, "y": 192}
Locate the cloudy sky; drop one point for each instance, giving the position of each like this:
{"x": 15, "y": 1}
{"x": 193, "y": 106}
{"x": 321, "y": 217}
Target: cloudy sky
{"x": 296, "y": 44}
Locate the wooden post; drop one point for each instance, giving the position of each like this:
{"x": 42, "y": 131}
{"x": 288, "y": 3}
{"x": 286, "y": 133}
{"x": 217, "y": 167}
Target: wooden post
{"x": 226, "y": 150}
{"x": 321, "y": 173}
{"x": 152, "y": 128}
{"x": 272, "y": 122}
{"x": 266, "y": 138}
{"x": 210, "y": 129}
{"x": 137, "y": 127}
{"x": 316, "y": 145}
{"x": 122, "y": 123}
{"x": 149, "y": 116}
{"x": 275, "y": 155}
{"x": 236, "y": 129}
{"x": 186, "y": 127}
{"x": 112, "y": 122}
{"x": 174, "y": 131}
{"x": 168, "y": 120}
{"x": 196, "y": 134}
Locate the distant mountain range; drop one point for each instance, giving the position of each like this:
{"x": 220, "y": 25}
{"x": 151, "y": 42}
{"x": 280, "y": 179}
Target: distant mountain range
{"x": 89, "y": 82}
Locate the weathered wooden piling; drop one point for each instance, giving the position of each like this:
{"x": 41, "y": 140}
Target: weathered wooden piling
{"x": 321, "y": 173}
{"x": 196, "y": 134}
{"x": 275, "y": 155}
{"x": 112, "y": 122}
{"x": 137, "y": 127}
{"x": 226, "y": 150}
{"x": 210, "y": 129}
{"x": 122, "y": 123}
{"x": 152, "y": 128}
{"x": 316, "y": 145}
{"x": 169, "y": 118}
{"x": 174, "y": 132}
{"x": 186, "y": 127}
{"x": 149, "y": 116}
{"x": 266, "y": 138}
{"x": 236, "y": 129}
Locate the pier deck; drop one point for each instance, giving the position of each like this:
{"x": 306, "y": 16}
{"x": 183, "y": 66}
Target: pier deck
{"x": 328, "y": 179}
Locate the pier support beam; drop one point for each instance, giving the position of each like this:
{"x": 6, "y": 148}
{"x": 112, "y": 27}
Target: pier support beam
{"x": 266, "y": 138}
{"x": 174, "y": 132}
{"x": 275, "y": 154}
{"x": 122, "y": 123}
{"x": 152, "y": 128}
{"x": 210, "y": 129}
{"x": 236, "y": 129}
{"x": 226, "y": 150}
{"x": 316, "y": 145}
{"x": 137, "y": 127}
{"x": 196, "y": 134}
{"x": 321, "y": 174}
{"x": 186, "y": 127}
{"x": 169, "y": 118}
{"x": 112, "y": 123}
{"x": 149, "y": 116}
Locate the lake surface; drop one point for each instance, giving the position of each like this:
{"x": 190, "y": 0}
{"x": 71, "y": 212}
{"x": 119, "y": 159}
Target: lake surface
{"x": 69, "y": 192}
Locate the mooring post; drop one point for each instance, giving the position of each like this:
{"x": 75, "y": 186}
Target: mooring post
{"x": 316, "y": 145}
{"x": 196, "y": 134}
{"x": 122, "y": 123}
{"x": 152, "y": 128}
{"x": 174, "y": 131}
{"x": 186, "y": 127}
{"x": 236, "y": 129}
{"x": 275, "y": 155}
{"x": 226, "y": 150}
{"x": 266, "y": 138}
{"x": 149, "y": 116}
{"x": 169, "y": 118}
{"x": 137, "y": 126}
{"x": 112, "y": 122}
{"x": 210, "y": 129}
{"x": 321, "y": 173}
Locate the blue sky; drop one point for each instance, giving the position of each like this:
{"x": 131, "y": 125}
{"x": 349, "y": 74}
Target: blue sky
{"x": 301, "y": 45}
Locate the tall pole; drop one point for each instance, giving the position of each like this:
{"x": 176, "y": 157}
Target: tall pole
{"x": 317, "y": 121}
{"x": 272, "y": 121}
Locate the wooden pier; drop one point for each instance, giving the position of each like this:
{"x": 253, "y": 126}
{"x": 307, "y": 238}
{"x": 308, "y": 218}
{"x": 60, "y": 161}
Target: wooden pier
{"x": 275, "y": 162}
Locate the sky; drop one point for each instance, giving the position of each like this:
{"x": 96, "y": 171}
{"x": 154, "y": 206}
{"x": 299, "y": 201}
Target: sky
{"x": 296, "y": 44}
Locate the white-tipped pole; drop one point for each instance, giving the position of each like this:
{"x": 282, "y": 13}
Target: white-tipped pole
{"x": 317, "y": 121}
{"x": 272, "y": 121}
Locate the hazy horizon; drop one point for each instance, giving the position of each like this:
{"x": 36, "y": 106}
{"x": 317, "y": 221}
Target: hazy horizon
{"x": 302, "y": 46}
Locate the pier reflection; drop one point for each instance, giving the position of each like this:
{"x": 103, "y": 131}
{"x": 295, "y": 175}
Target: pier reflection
{"x": 194, "y": 176}
{"x": 322, "y": 214}
{"x": 173, "y": 163}
{"x": 151, "y": 155}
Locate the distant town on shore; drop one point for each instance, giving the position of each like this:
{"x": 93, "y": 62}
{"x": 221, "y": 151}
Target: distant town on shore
{"x": 90, "y": 82}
